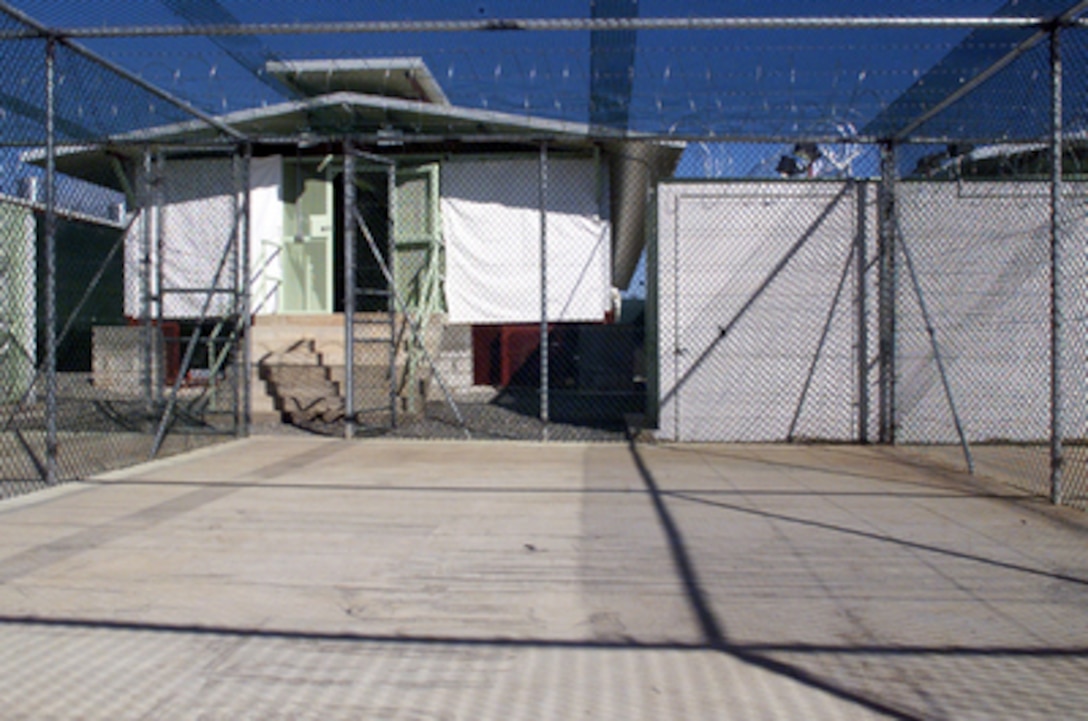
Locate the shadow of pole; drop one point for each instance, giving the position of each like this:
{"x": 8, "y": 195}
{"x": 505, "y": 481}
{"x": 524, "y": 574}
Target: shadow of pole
{"x": 713, "y": 634}
{"x": 711, "y": 627}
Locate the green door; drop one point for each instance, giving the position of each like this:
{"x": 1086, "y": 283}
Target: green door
{"x": 419, "y": 259}
{"x": 308, "y": 226}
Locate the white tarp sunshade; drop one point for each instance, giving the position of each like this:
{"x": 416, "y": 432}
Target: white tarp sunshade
{"x": 197, "y": 228}
{"x": 491, "y": 226}
{"x": 199, "y": 217}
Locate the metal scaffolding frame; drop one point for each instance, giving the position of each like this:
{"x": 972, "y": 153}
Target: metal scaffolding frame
{"x": 230, "y": 259}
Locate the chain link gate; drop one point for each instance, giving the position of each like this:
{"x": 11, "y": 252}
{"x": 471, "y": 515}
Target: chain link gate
{"x": 189, "y": 250}
{"x": 943, "y": 346}
{"x": 764, "y": 299}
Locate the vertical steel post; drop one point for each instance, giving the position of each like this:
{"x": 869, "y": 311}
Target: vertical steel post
{"x": 1057, "y": 298}
{"x": 145, "y": 283}
{"x": 888, "y": 292}
{"x": 544, "y": 410}
{"x": 349, "y": 290}
{"x": 246, "y": 291}
{"x": 247, "y": 347}
{"x": 159, "y": 334}
{"x": 860, "y": 256}
{"x": 391, "y": 266}
{"x": 50, "y": 263}
{"x": 236, "y": 201}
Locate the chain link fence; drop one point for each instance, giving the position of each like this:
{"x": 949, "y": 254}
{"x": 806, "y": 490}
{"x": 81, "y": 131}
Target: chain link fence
{"x": 97, "y": 369}
{"x": 902, "y": 266}
{"x": 918, "y": 312}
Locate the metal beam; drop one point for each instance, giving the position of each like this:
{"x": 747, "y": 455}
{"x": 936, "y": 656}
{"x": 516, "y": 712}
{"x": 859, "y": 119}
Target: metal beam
{"x": 542, "y": 198}
{"x": 51, "y": 448}
{"x": 973, "y": 84}
{"x": 62, "y": 38}
{"x": 542, "y": 25}
{"x": 351, "y": 281}
{"x": 821, "y": 343}
{"x": 247, "y": 290}
{"x": 861, "y": 243}
{"x": 887, "y": 287}
{"x": 1057, "y": 291}
{"x": 938, "y": 359}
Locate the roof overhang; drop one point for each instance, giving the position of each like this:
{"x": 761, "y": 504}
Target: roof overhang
{"x": 637, "y": 163}
{"x": 404, "y": 78}
{"x": 333, "y": 116}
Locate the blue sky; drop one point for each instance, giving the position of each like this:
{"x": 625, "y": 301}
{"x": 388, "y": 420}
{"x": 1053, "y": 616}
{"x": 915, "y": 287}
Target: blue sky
{"x": 699, "y": 85}
{"x": 692, "y": 83}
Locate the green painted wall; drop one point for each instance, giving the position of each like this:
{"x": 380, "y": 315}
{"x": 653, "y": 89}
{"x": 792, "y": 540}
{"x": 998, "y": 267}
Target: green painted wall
{"x": 81, "y": 249}
{"x": 17, "y": 302}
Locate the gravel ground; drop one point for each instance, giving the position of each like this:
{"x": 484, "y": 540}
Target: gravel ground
{"x": 490, "y": 421}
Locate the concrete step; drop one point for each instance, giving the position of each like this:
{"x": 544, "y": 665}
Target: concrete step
{"x": 300, "y": 353}
{"x": 300, "y": 364}
{"x": 326, "y": 409}
{"x": 300, "y": 381}
{"x": 310, "y": 392}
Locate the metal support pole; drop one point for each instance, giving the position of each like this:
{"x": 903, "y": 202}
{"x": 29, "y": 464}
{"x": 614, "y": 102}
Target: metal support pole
{"x": 544, "y": 289}
{"x": 888, "y": 293}
{"x": 145, "y": 282}
{"x": 50, "y": 264}
{"x": 937, "y": 358}
{"x": 819, "y": 352}
{"x": 391, "y": 263}
{"x": 1057, "y": 297}
{"x": 159, "y": 292}
{"x": 237, "y": 202}
{"x": 349, "y": 291}
{"x": 860, "y": 255}
{"x": 240, "y": 367}
{"x": 247, "y": 289}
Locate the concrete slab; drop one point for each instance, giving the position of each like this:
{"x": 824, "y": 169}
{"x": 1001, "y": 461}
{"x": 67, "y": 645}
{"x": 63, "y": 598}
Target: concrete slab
{"x": 297, "y": 578}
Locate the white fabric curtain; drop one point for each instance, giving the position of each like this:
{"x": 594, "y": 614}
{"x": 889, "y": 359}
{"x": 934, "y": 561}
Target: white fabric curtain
{"x": 491, "y": 227}
{"x": 198, "y": 224}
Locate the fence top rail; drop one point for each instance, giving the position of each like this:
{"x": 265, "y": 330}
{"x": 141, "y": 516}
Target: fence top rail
{"x": 552, "y": 25}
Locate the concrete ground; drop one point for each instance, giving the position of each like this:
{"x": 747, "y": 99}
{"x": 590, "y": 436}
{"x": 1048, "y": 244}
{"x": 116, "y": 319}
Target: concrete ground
{"x": 301, "y": 578}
